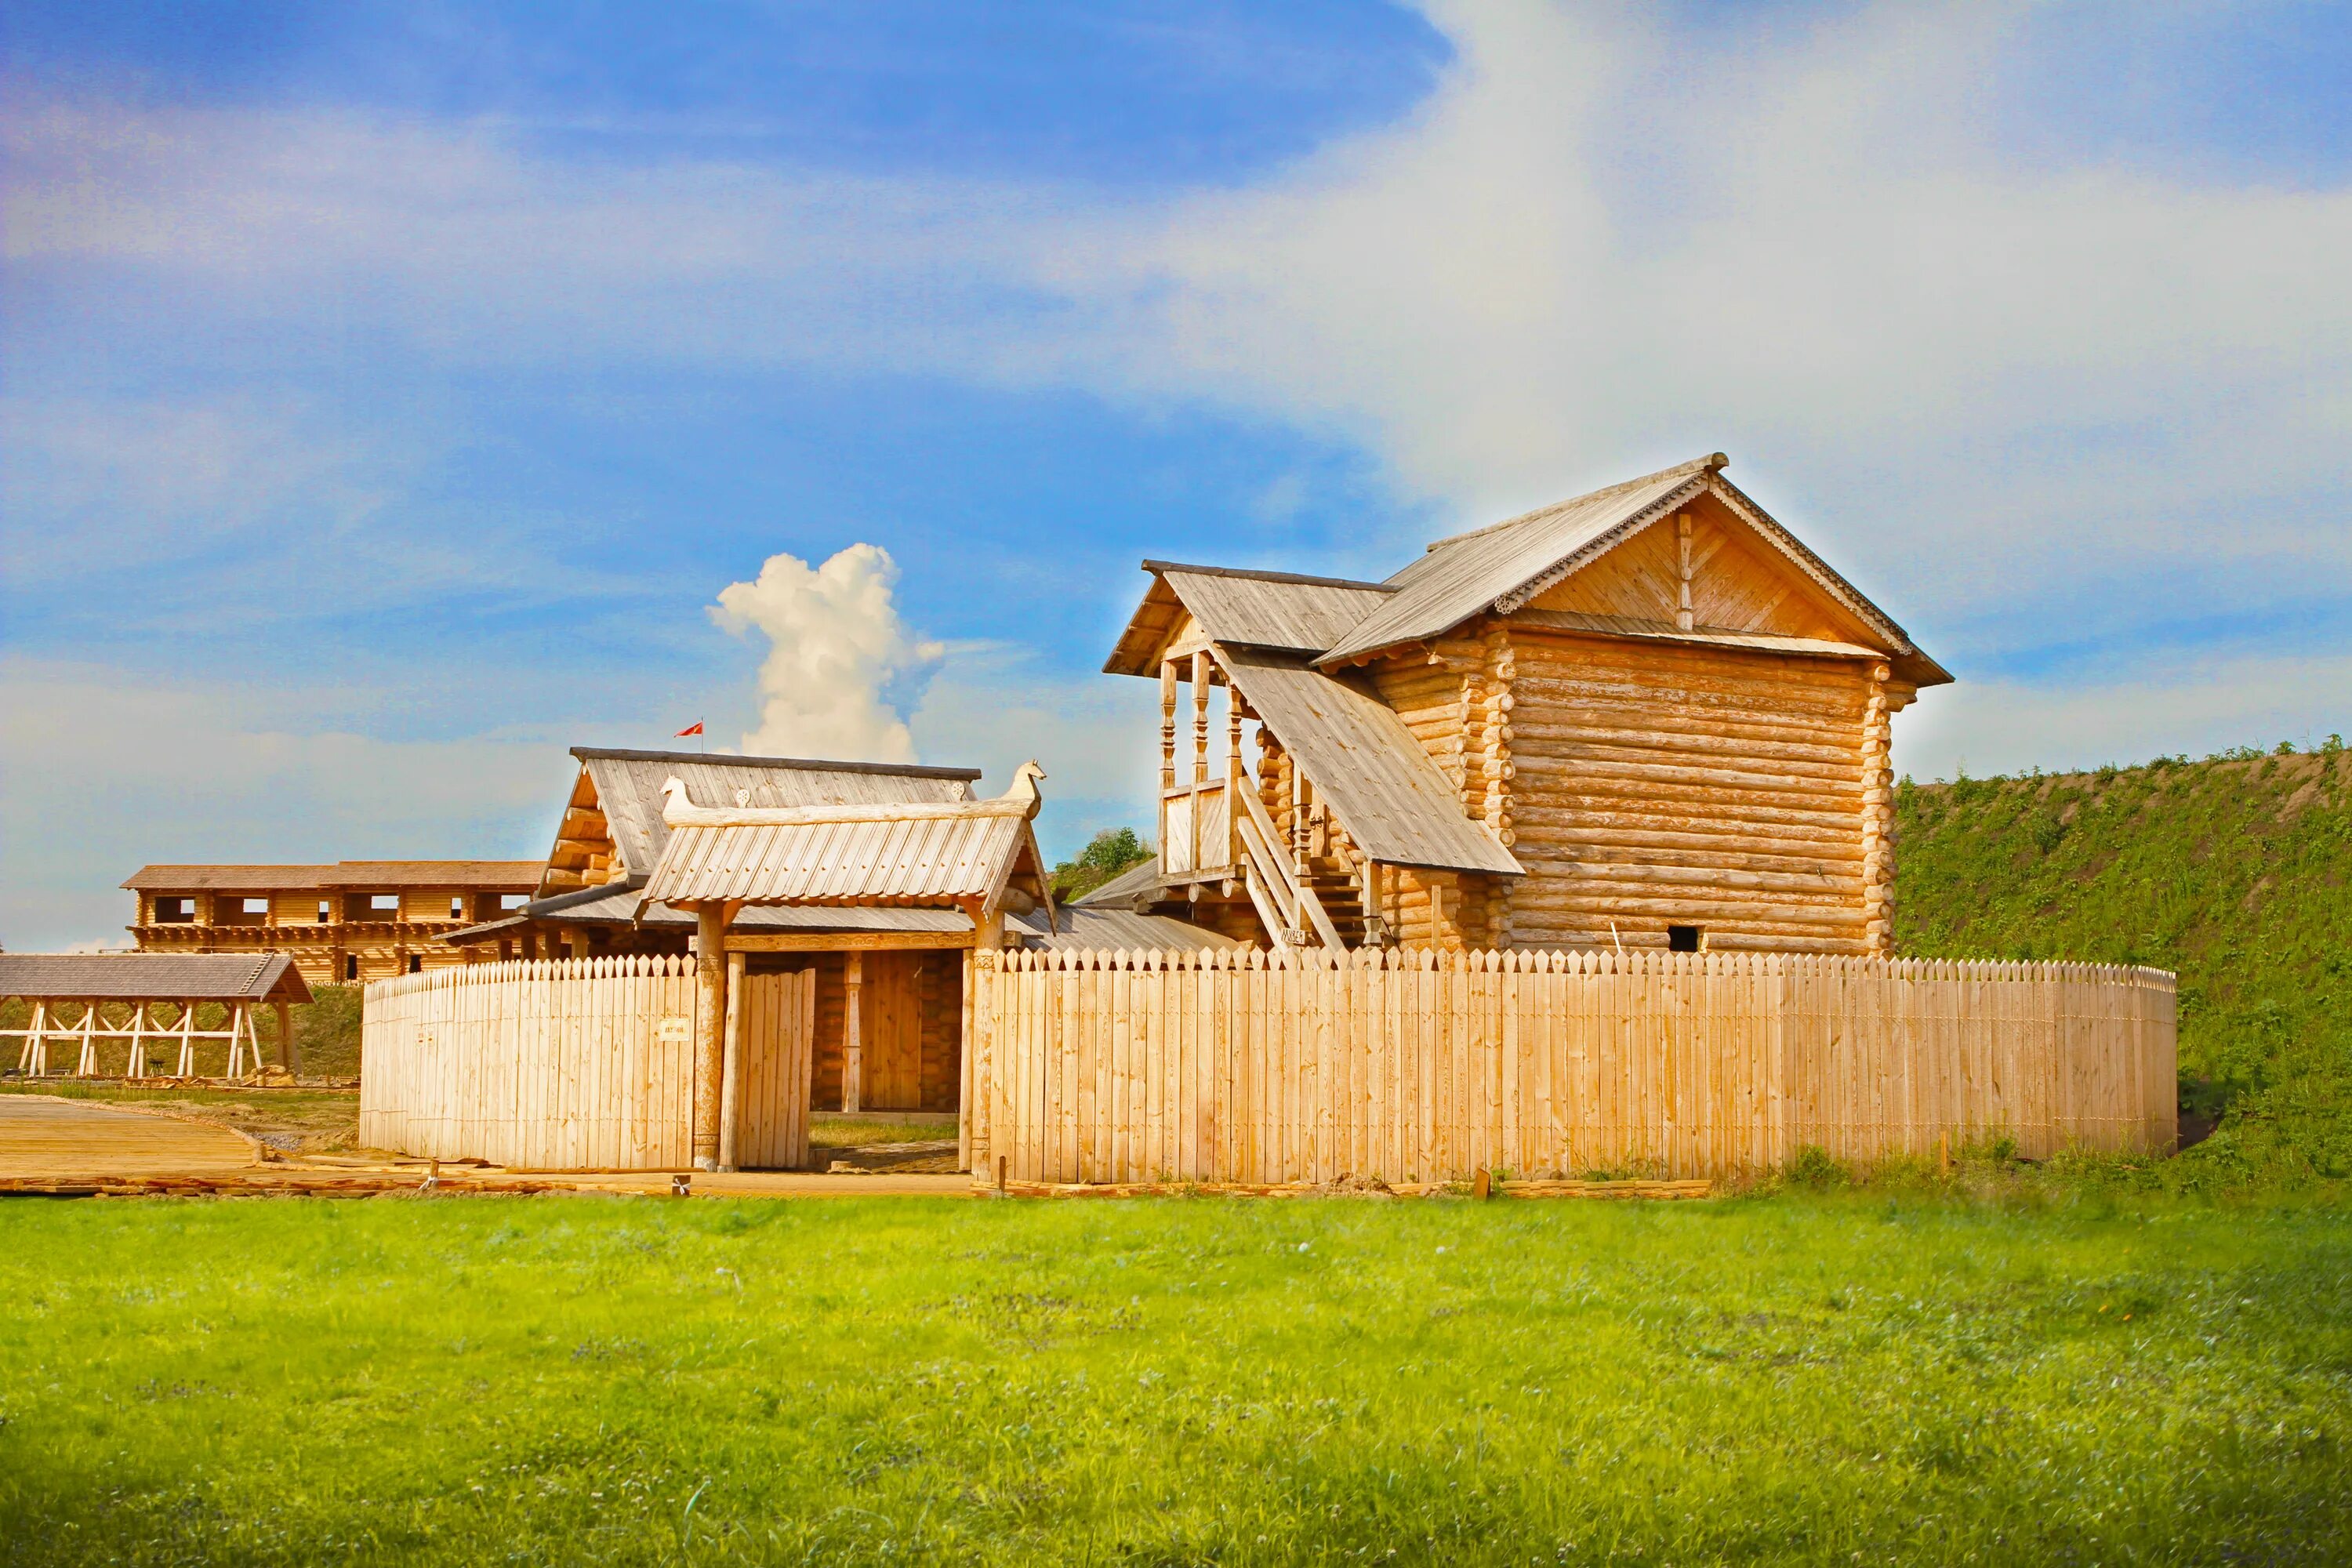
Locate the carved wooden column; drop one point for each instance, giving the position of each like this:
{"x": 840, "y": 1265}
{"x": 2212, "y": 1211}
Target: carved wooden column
{"x": 1877, "y": 818}
{"x": 1200, "y": 674}
{"x": 1167, "y": 725}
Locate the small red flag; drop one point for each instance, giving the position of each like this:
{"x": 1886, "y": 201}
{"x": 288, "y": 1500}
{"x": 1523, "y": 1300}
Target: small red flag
{"x": 693, "y": 729}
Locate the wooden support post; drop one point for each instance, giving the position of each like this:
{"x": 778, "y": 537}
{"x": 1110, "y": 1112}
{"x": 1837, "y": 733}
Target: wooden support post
{"x": 732, "y": 1066}
{"x": 290, "y": 1055}
{"x": 87, "y": 1067}
{"x": 32, "y": 1062}
{"x": 1167, "y": 725}
{"x": 136, "y": 1065}
{"x": 853, "y": 1033}
{"x": 1201, "y": 670}
{"x": 187, "y": 1064}
{"x": 710, "y": 971}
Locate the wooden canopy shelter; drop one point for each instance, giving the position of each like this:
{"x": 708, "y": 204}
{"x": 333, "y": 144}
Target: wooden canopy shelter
{"x": 977, "y": 858}
{"x": 67, "y": 995}
{"x": 1645, "y": 717}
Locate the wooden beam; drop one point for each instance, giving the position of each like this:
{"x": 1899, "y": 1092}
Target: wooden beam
{"x": 731, "y": 1068}
{"x": 845, "y": 941}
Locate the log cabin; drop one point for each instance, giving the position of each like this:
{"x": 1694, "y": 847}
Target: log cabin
{"x": 1646, "y": 716}
{"x": 344, "y": 924}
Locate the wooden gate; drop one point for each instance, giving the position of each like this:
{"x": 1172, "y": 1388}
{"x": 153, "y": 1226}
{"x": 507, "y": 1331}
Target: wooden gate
{"x": 775, "y": 1039}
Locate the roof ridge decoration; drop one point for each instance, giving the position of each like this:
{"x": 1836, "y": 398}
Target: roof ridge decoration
{"x": 1021, "y": 800}
{"x": 1713, "y": 462}
{"x": 1569, "y": 564}
{"x": 810, "y": 764}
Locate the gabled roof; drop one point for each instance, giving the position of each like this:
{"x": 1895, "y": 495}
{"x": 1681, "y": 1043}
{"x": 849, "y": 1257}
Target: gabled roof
{"x": 1393, "y": 800}
{"x": 628, "y": 787}
{"x": 1499, "y": 568}
{"x": 153, "y": 976}
{"x": 928, "y": 853}
{"x": 1241, "y": 609}
{"x": 381, "y": 876}
{"x": 1467, "y": 574}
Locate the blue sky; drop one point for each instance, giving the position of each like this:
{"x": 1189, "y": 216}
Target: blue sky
{"x": 391, "y": 392}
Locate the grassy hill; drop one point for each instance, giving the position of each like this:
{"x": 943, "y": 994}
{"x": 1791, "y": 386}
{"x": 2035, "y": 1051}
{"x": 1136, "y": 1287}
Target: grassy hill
{"x": 2235, "y": 872}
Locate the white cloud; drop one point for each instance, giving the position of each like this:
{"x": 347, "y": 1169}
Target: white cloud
{"x": 1996, "y": 390}
{"x": 104, "y": 776}
{"x": 835, "y": 646}
{"x": 995, "y": 707}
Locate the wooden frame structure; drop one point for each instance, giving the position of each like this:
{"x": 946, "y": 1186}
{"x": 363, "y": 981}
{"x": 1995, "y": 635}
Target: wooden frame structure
{"x": 69, "y": 995}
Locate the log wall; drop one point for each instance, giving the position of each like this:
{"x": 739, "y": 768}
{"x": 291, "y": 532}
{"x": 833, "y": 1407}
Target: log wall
{"x": 1655, "y": 784}
{"x": 1253, "y": 1068}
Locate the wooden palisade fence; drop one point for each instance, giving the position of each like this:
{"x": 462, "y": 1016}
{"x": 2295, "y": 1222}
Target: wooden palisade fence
{"x": 576, "y": 1064}
{"x": 1410, "y": 1066}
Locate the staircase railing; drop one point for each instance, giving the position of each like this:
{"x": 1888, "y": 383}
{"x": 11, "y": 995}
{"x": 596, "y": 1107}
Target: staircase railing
{"x": 1286, "y": 904}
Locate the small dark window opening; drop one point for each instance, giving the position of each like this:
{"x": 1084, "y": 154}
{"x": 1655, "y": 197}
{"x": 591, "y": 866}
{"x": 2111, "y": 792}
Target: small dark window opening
{"x": 457, "y": 907}
{"x": 1685, "y": 938}
{"x": 172, "y": 912}
{"x": 325, "y": 912}
{"x": 415, "y": 963}
{"x": 350, "y": 966}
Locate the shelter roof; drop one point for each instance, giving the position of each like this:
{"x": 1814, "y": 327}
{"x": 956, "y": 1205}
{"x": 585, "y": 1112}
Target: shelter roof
{"x": 955, "y": 853}
{"x": 628, "y": 787}
{"x": 153, "y": 976}
{"x": 1393, "y": 801}
{"x": 1090, "y": 926}
{"x": 517, "y": 875}
{"x": 1240, "y": 608}
{"x": 1140, "y": 879}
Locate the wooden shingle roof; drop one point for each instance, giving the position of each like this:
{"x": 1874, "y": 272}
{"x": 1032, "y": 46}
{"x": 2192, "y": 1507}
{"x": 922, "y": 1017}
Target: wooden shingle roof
{"x": 628, "y": 787}
{"x": 153, "y": 976}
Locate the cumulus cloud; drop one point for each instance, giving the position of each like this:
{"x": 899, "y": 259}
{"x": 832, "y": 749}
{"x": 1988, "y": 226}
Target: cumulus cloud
{"x": 837, "y": 646}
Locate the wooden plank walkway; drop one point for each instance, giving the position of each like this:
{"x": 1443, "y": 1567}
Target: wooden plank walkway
{"x": 46, "y": 1139}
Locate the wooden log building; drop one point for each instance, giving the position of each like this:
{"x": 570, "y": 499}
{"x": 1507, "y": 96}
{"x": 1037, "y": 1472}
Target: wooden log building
{"x": 344, "y": 924}
{"x": 1645, "y": 717}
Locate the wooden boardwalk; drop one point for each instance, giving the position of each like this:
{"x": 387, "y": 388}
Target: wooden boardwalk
{"x": 46, "y": 1139}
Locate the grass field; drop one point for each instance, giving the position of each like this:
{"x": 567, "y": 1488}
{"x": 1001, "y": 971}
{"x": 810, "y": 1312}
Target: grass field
{"x": 1793, "y": 1379}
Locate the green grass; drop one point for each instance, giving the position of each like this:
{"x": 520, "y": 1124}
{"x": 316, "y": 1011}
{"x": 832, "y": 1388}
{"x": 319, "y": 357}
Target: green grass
{"x": 1800, "y": 1379}
{"x": 2235, "y": 872}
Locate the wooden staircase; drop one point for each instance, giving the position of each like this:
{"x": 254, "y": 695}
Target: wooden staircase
{"x": 1333, "y": 882}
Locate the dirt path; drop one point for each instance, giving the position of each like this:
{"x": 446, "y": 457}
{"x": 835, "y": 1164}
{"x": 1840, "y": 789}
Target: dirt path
{"x": 44, "y": 1138}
